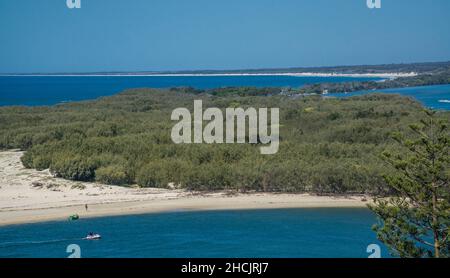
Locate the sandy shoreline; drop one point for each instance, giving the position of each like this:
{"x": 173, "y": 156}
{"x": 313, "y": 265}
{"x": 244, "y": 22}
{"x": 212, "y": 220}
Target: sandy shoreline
{"x": 216, "y": 201}
{"x": 29, "y": 196}
{"x": 388, "y": 75}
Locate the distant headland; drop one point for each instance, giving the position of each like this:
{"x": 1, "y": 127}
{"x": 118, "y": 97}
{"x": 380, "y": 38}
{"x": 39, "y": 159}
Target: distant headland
{"x": 382, "y": 70}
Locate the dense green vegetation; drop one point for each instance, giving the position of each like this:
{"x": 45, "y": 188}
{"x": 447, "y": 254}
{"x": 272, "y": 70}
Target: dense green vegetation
{"x": 327, "y": 145}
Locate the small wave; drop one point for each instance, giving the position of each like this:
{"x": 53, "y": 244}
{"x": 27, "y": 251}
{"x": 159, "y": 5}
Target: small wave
{"x": 444, "y": 101}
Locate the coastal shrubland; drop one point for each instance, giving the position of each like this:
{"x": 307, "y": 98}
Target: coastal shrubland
{"x": 327, "y": 145}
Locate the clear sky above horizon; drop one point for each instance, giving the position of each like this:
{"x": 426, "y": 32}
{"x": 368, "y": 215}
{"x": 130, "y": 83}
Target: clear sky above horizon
{"x": 141, "y": 35}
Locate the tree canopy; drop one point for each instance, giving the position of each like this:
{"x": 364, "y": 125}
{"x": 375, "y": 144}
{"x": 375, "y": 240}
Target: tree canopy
{"x": 327, "y": 145}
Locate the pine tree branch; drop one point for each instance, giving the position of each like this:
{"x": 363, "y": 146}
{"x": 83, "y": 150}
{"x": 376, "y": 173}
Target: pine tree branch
{"x": 422, "y": 241}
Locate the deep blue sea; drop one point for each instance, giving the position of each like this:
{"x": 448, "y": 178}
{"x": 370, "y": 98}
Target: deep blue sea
{"x": 48, "y": 90}
{"x": 279, "y": 233}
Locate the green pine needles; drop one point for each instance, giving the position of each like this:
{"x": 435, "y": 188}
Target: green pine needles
{"x": 415, "y": 222}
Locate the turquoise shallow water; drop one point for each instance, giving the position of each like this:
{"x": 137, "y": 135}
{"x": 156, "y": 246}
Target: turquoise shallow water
{"x": 435, "y": 97}
{"x": 294, "y": 233}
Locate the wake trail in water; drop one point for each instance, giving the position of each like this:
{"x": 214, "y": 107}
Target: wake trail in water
{"x": 20, "y": 243}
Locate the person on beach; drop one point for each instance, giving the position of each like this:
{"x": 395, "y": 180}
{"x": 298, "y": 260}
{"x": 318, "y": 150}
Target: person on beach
{"x": 86, "y": 207}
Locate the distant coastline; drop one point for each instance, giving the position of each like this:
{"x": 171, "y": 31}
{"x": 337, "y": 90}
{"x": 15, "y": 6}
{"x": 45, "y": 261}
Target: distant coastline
{"x": 298, "y": 74}
{"x": 380, "y": 70}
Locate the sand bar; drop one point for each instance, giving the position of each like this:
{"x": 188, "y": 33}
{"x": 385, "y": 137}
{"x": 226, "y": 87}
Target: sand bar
{"x": 29, "y": 196}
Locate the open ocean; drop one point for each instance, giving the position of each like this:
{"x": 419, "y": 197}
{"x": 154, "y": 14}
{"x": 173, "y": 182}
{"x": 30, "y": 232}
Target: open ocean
{"x": 278, "y": 233}
{"x": 49, "y": 90}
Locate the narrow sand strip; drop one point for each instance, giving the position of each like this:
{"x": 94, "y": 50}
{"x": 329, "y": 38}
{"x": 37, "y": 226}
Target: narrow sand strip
{"x": 28, "y": 196}
{"x": 298, "y": 74}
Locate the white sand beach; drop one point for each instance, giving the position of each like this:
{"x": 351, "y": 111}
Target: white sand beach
{"x": 28, "y": 196}
{"x": 387, "y": 75}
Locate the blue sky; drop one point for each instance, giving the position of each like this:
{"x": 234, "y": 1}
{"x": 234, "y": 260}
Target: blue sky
{"x": 138, "y": 35}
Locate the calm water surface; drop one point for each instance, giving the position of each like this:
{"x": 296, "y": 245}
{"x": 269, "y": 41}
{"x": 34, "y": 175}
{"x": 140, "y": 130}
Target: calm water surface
{"x": 48, "y": 90}
{"x": 247, "y": 233}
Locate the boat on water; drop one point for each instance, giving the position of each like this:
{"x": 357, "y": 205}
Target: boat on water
{"x": 74, "y": 217}
{"x": 93, "y": 236}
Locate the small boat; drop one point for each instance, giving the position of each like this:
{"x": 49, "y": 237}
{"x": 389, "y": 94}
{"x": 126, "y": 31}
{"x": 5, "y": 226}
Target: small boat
{"x": 74, "y": 217}
{"x": 93, "y": 237}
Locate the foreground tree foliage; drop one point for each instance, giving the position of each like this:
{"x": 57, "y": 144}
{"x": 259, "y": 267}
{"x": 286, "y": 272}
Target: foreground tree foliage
{"x": 327, "y": 145}
{"x": 415, "y": 222}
